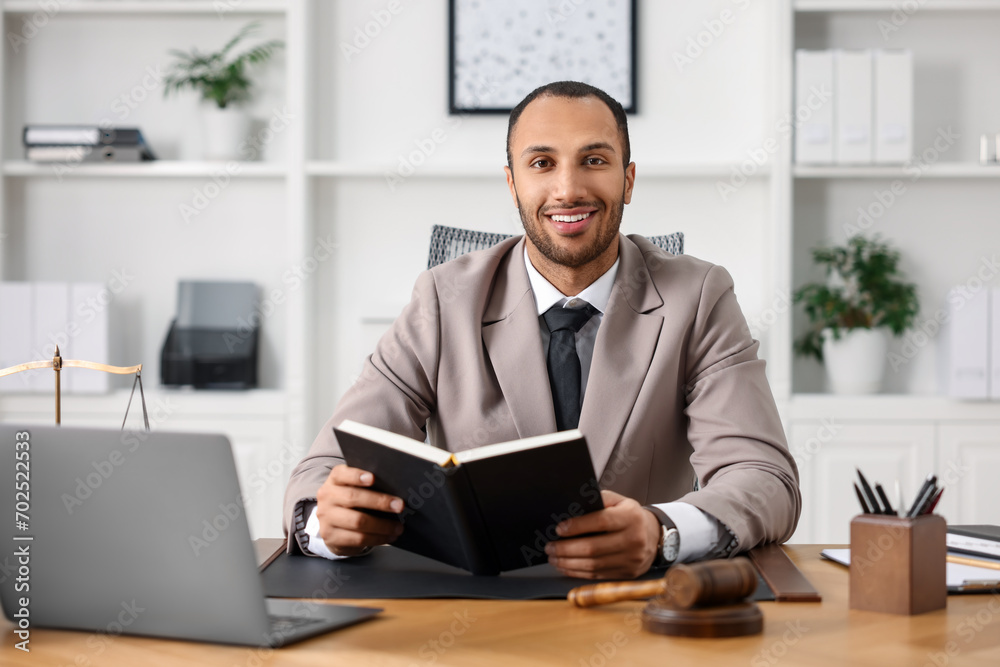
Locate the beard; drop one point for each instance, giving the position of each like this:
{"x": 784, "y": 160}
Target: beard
{"x": 543, "y": 240}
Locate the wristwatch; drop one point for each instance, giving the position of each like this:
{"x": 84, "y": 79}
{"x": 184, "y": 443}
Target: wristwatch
{"x": 668, "y": 548}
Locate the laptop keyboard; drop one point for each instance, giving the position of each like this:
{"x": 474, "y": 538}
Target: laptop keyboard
{"x": 285, "y": 625}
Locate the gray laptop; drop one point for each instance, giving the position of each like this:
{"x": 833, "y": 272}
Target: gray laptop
{"x": 138, "y": 533}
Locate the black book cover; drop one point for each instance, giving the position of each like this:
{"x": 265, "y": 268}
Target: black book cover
{"x": 982, "y": 532}
{"x": 975, "y": 540}
{"x": 485, "y": 510}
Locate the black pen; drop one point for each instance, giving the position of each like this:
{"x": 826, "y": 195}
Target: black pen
{"x": 921, "y": 504}
{"x": 861, "y": 499}
{"x": 932, "y": 503}
{"x": 931, "y": 480}
{"x": 885, "y": 500}
{"x": 869, "y": 494}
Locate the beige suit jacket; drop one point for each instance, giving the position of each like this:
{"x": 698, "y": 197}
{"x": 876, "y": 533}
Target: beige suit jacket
{"x": 675, "y": 388}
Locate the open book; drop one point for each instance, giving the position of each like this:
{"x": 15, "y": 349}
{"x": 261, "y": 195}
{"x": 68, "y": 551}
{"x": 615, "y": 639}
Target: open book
{"x": 486, "y": 510}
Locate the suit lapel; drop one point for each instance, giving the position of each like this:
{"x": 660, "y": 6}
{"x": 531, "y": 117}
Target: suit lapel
{"x": 623, "y": 351}
{"x": 514, "y": 345}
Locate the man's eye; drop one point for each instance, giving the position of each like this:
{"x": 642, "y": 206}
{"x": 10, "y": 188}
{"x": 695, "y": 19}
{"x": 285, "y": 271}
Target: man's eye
{"x": 595, "y": 160}
{"x": 541, "y": 163}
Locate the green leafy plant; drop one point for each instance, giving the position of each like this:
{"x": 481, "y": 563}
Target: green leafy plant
{"x": 221, "y": 76}
{"x": 864, "y": 290}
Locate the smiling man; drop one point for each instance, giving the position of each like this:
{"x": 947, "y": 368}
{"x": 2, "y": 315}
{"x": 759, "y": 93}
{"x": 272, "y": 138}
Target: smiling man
{"x": 574, "y": 325}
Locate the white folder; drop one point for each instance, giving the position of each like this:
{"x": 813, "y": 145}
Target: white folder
{"x": 88, "y": 315}
{"x": 995, "y": 343}
{"x": 968, "y": 343}
{"x": 51, "y": 327}
{"x": 853, "y": 111}
{"x": 893, "y": 106}
{"x": 813, "y": 114}
{"x": 16, "y": 323}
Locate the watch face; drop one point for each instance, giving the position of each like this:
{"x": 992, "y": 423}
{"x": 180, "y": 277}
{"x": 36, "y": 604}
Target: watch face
{"x": 671, "y": 544}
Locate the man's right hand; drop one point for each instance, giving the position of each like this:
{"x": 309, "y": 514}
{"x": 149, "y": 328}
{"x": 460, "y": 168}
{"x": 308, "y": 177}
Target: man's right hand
{"x": 345, "y": 529}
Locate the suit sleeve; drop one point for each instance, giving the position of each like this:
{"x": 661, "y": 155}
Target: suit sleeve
{"x": 748, "y": 478}
{"x": 395, "y": 392}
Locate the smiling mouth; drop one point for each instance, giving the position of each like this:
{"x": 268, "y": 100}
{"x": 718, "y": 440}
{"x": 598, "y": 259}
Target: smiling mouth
{"x": 571, "y": 223}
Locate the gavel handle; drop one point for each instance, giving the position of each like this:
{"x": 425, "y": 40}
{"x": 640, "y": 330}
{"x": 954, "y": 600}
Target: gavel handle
{"x": 615, "y": 591}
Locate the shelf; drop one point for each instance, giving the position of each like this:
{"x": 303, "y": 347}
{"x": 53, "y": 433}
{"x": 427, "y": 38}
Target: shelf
{"x": 154, "y": 169}
{"x": 221, "y": 7}
{"x": 346, "y": 170}
{"x": 967, "y": 170}
{"x": 894, "y": 5}
{"x": 187, "y": 403}
{"x": 889, "y": 407}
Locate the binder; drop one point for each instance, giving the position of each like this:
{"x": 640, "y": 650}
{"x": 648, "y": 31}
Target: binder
{"x": 16, "y": 322}
{"x": 968, "y": 344}
{"x": 74, "y": 154}
{"x": 813, "y": 113}
{"x": 88, "y": 338}
{"x": 81, "y": 135}
{"x": 853, "y": 111}
{"x": 893, "y": 106}
{"x": 995, "y": 343}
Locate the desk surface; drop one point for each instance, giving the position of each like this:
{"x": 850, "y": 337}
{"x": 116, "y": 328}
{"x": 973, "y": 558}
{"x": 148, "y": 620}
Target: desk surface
{"x": 493, "y": 632}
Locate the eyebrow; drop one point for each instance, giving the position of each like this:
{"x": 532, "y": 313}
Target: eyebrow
{"x": 539, "y": 148}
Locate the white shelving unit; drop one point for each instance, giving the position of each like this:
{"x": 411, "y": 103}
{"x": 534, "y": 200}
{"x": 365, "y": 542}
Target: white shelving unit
{"x": 317, "y": 220}
{"x": 910, "y": 431}
{"x": 75, "y": 222}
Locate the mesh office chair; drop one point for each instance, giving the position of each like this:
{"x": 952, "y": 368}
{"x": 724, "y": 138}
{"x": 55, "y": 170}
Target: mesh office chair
{"x": 447, "y": 243}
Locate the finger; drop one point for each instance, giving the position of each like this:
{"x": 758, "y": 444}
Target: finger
{"x": 610, "y": 498}
{"x": 342, "y": 518}
{"x": 356, "y": 497}
{"x": 593, "y": 546}
{"x": 344, "y": 475}
{"x": 600, "y": 521}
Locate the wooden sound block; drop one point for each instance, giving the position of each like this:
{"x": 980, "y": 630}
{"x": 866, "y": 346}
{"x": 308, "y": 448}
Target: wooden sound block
{"x": 732, "y": 620}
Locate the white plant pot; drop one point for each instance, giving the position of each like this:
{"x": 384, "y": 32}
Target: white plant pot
{"x": 224, "y": 131}
{"x": 855, "y": 363}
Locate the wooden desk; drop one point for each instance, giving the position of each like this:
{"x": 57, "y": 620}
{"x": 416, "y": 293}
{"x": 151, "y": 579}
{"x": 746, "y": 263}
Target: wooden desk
{"x": 483, "y": 632}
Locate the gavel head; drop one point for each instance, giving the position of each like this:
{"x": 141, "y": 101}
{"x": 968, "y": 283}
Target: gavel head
{"x": 709, "y": 583}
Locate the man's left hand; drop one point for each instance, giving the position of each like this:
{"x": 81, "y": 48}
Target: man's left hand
{"x": 623, "y": 547}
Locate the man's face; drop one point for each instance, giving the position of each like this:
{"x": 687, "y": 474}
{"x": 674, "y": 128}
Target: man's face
{"x": 568, "y": 179}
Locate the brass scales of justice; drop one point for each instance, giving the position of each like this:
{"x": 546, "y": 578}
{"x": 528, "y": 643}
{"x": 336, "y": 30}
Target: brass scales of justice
{"x": 57, "y": 363}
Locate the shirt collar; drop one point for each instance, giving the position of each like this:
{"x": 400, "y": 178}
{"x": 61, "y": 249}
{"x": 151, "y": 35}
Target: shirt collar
{"x": 597, "y": 294}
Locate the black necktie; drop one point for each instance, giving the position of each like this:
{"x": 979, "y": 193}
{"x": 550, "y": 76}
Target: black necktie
{"x": 564, "y": 363}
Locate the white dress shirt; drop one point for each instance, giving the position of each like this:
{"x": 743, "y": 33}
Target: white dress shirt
{"x": 699, "y": 532}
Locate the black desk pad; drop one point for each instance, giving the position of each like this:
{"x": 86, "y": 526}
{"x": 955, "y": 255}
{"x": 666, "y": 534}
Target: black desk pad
{"x": 390, "y": 573}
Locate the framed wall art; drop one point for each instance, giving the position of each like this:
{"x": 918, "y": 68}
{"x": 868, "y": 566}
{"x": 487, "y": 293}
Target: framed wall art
{"x": 501, "y": 51}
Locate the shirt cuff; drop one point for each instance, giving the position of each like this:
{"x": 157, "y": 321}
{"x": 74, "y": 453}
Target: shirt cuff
{"x": 699, "y": 531}
{"x": 316, "y": 545}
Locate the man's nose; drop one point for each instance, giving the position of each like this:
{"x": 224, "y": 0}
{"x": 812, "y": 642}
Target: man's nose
{"x": 570, "y": 185}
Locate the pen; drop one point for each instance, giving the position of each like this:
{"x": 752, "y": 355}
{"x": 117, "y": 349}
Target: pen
{"x": 885, "y": 500}
{"x": 978, "y": 585}
{"x": 934, "y": 502}
{"x": 861, "y": 499}
{"x": 921, "y": 503}
{"x": 974, "y": 562}
{"x": 869, "y": 494}
{"x": 931, "y": 479}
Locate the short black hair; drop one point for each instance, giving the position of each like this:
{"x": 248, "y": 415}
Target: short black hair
{"x": 572, "y": 89}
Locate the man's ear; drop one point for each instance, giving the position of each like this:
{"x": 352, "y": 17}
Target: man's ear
{"x": 510, "y": 185}
{"x": 629, "y": 182}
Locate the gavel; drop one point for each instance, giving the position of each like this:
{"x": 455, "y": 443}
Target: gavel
{"x": 684, "y": 586}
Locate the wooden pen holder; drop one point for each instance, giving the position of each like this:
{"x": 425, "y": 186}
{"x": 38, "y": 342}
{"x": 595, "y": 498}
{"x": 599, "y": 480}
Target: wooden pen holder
{"x": 897, "y": 564}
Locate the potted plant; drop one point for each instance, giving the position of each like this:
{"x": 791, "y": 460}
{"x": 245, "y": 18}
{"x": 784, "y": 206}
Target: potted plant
{"x": 224, "y": 82}
{"x": 864, "y": 296}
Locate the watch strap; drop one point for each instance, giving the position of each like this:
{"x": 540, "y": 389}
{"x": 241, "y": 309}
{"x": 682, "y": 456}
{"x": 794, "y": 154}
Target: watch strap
{"x": 665, "y": 524}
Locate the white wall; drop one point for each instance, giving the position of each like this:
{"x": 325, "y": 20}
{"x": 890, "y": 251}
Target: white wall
{"x": 394, "y": 93}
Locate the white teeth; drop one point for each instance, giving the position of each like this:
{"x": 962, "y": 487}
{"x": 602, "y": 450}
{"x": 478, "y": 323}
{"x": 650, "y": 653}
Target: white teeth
{"x": 570, "y": 218}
